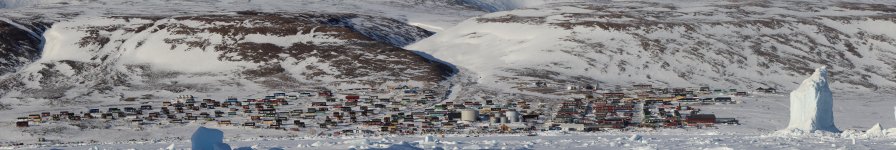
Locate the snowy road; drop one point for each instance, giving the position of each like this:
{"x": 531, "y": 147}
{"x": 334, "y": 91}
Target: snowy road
{"x": 650, "y": 140}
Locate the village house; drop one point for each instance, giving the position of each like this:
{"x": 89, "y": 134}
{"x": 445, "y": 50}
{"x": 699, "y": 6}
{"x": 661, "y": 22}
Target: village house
{"x": 612, "y": 110}
{"x": 613, "y": 95}
{"x": 642, "y": 86}
{"x": 701, "y": 120}
{"x": 767, "y": 90}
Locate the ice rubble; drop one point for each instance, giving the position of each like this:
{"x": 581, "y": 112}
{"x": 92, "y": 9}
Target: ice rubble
{"x": 209, "y": 139}
{"x": 875, "y": 131}
{"x": 635, "y": 138}
{"x": 811, "y": 105}
{"x": 429, "y": 139}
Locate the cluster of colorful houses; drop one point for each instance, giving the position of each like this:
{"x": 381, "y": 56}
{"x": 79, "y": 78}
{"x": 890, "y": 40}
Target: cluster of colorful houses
{"x": 406, "y": 110}
{"x": 645, "y": 106}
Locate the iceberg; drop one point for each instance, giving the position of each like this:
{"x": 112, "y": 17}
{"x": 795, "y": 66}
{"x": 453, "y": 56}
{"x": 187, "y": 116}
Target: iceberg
{"x": 811, "y": 105}
{"x": 209, "y": 139}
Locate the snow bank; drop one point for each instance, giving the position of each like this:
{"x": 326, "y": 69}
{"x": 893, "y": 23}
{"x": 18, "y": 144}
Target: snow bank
{"x": 811, "y": 105}
{"x": 402, "y": 146}
{"x": 209, "y": 139}
{"x": 358, "y": 142}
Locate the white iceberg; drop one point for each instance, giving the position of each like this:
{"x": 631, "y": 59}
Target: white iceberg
{"x": 170, "y": 147}
{"x": 811, "y": 105}
{"x": 429, "y": 139}
{"x": 635, "y": 138}
{"x": 209, "y": 139}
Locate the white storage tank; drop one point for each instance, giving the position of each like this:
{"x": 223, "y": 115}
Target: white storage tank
{"x": 469, "y": 115}
{"x": 512, "y": 116}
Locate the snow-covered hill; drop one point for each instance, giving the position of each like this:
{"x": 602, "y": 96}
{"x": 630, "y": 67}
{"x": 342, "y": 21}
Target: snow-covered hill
{"x": 111, "y": 49}
{"x": 722, "y": 44}
{"x": 432, "y": 15}
{"x": 504, "y": 5}
{"x": 67, "y": 55}
{"x": 26, "y": 3}
{"x": 20, "y": 44}
{"x": 566, "y": 42}
{"x": 226, "y": 53}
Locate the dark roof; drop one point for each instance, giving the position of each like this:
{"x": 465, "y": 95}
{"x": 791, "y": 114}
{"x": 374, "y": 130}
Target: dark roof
{"x": 702, "y": 116}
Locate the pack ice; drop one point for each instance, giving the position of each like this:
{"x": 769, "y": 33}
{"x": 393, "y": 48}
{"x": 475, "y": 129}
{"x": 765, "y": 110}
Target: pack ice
{"x": 811, "y": 105}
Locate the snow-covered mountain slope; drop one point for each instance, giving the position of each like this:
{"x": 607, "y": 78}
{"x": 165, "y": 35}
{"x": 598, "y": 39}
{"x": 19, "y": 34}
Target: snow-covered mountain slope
{"x": 722, "y": 44}
{"x": 227, "y": 53}
{"x": 504, "y": 5}
{"x": 20, "y": 44}
{"x": 110, "y": 49}
{"x": 26, "y": 3}
{"x": 433, "y": 15}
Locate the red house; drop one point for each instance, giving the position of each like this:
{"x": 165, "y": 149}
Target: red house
{"x": 701, "y": 119}
{"x": 352, "y": 98}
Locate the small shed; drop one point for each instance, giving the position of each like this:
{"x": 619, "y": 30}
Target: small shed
{"x": 21, "y": 124}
